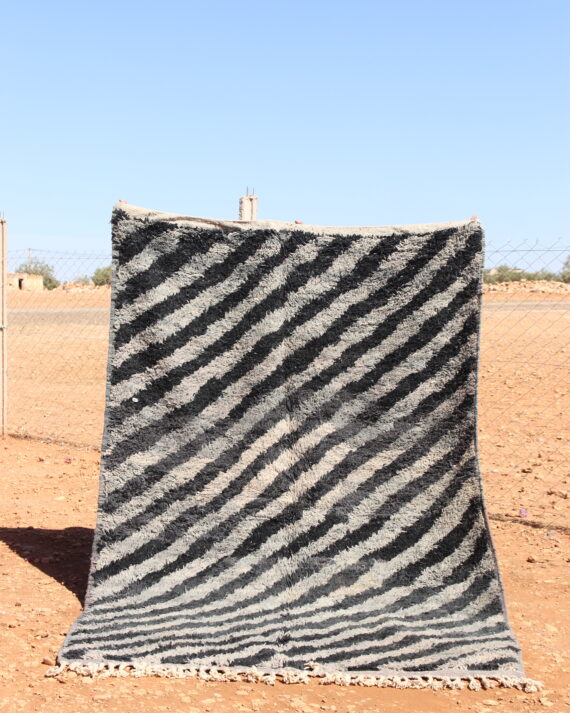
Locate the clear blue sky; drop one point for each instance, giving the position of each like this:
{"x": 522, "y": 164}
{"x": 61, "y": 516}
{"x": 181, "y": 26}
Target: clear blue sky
{"x": 361, "y": 113}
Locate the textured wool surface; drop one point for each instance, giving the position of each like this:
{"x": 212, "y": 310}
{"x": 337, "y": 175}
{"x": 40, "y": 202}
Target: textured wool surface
{"x": 289, "y": 474}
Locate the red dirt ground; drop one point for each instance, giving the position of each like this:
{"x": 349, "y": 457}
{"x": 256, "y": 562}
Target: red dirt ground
{"x": 48, "y": 496}
{"x": 48, "y": 504}
{"x": 56, "y": 382}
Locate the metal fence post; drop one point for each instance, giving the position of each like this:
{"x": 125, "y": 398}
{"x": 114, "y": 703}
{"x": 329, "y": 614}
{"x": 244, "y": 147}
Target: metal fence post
{"x": 3, "y": 330}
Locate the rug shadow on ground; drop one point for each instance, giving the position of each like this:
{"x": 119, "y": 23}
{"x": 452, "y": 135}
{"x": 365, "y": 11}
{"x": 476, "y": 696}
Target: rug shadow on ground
{"x": 63, "y": 555}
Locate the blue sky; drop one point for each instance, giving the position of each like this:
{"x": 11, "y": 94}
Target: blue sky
{"x": 362, "y": 113}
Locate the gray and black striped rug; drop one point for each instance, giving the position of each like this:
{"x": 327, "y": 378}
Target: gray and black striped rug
{"x": 289, "y": 479}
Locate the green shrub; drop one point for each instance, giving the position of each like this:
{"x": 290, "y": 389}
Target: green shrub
{"x": 565, "y": 272}
{"x": 505, "y": 273}
{"x": 83, "y": 279}
{"x": 102, "y": 275}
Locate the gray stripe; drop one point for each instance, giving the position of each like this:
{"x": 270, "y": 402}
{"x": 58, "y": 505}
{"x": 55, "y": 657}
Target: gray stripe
{"x": 324, "y": 504}
{"x": 342, "y": 417}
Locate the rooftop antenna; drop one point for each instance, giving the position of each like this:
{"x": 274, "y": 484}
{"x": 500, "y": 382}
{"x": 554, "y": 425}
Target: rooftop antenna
{"x": 248, "y": 206}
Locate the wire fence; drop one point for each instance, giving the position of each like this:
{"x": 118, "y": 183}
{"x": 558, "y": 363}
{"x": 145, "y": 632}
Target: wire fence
{"x": 57, "y": 354}
{"x": 57, "y": 346}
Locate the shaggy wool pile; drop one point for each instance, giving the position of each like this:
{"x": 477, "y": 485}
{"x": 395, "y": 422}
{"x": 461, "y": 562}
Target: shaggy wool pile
{"x": 289, "y": 482}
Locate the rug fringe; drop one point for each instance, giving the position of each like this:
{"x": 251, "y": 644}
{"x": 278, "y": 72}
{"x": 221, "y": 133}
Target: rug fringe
{"x": 253, "y": 675}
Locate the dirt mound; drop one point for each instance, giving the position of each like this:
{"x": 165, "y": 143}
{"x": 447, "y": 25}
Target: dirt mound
{"x": 80, "y": 287}
{"x": 543, "y": 286}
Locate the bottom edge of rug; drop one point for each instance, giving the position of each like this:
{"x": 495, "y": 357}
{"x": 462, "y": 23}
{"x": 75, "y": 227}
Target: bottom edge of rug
{"x": 452, "y": 679}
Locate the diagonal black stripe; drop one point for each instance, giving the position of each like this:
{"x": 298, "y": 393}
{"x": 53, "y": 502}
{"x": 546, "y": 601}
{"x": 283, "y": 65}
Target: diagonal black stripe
{"x": 247, "y": 628}
{"x": 231, "y": 587}
{"x": 268, "y": 653}
{"x": 406, "y": 539}
{"x": 491, "y": 634}
{"x": 189, "y": 244}
{"x": 441, "y": 280}
{"x": 429, "y": 403}
{"x": 129, "y": 242}
{"x": 492, "y": 665}
{"x": 502, "y": 640}
{"x": 459, "y": 573}
{"x": 354, "y": 537}
{"x": 345, "y": 622}
{"x": 380, "y": 475}
{"x": 298, "y": 644}
{"x": 282, "y": 483}
{"x": 168, "y": 264}
{"x": 353, "y": 460}
{"x": 291, "y": 241}
{"x": 158, "y": 350}
{"x": 253, "y": 659}
{"x": 375, "y": 634}
{"x": 177, "y": 417}
{"x": 263, "y": 656}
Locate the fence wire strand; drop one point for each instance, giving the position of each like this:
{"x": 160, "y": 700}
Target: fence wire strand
{"x": 57, "y": 354}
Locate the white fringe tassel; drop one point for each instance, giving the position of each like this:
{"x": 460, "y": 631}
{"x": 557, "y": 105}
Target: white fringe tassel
{"x": 253, "y": 675}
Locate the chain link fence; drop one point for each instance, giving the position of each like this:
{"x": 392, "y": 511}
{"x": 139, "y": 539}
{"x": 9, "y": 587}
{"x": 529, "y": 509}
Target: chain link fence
{"x": 57, "y": 345}
{"x": 57, "y": 353}
{"x": 523, "y": 389}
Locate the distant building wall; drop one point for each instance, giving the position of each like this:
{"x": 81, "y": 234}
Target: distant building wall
{"x": 24, "y": 281}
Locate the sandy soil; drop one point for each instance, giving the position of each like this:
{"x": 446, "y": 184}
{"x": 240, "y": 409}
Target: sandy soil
{"x": 48, "y": 505}
{"x": 524, "y": 404}
{"x": 47, "y": 509}
{"x": 57, "y": 386}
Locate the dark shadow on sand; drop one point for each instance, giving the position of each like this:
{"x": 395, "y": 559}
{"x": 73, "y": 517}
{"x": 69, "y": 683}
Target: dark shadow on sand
{"x": 61, "y": 554}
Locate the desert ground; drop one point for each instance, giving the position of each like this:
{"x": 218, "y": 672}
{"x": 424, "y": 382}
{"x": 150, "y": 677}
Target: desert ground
{"x": 48, "y": 490}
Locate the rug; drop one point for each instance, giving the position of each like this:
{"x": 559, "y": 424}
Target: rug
{"x": 289, "y": 483}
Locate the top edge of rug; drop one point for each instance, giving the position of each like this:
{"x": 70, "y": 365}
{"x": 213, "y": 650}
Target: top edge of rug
{"x": 148, "y": 214}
